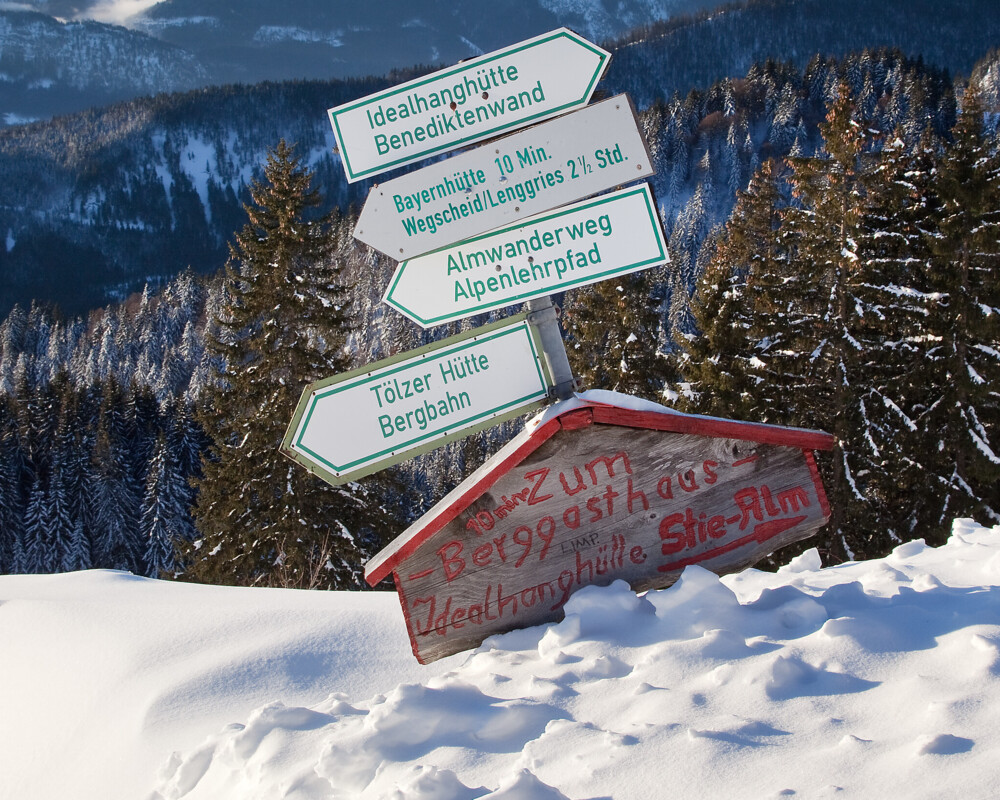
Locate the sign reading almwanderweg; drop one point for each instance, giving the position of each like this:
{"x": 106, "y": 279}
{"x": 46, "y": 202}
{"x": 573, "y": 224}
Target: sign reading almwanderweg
{"x": 591, "y": 241}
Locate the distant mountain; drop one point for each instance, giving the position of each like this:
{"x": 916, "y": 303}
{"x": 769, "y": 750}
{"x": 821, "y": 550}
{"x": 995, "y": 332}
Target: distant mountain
{"x": 326, "y": 38}
{"x": 49, "y": 67}
{"x": 95, "y": 204}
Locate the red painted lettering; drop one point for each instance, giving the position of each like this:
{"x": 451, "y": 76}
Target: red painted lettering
{"x": 748, "y": 502}
{"x": 636, "y": 494}
{"x": 571, "y": 517}
{"x": 482, "y": 554}
{"x": 440, "y": 623}
{"x": 565, "y": 586}
{"x": 546, "y": 530}
{"x": 430, "y": 602}
{"x": 664, "y": 488}
{"x": 673, "y": 541}
{"x": 717, "y": 526}
{"x": 711, "y": 476}
{"x": 791, "y": 500}
{"x": 769, "y": 506}
{"x": 453, "y": 563}
{"x": 498, "y": 543}
{"x": 485, "y": 519}
{"x": 636, "y": 555}
{"x": 690, "y": 528}
{"x": 580, "y": 485}
{"x": 594, "y": 507}
{"x": 609, "y": 465}
{"x": 524, "y": 541}
{"x": 687, "y": 481}
{"x": 609, "y": 495}
{"x": 541, "y": 475}
{"x": 503, "y": 602}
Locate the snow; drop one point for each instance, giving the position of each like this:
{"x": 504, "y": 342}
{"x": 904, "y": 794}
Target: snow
{"x": 117, "y": 12}
{"x": 869, "y": 679}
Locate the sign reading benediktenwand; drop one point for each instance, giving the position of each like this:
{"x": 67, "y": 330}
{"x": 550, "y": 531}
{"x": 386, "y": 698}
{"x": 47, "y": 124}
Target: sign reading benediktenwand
{"x": 478, "y": 99}
{"x": 362, "y": 421}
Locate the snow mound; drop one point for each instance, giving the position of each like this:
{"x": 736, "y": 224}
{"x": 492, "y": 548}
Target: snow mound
{"x": 867, "y": 679}
{"x": 870, "y": 679}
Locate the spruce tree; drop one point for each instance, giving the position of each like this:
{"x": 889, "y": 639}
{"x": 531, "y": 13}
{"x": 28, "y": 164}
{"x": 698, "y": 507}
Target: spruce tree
{"x": 614, "y": 329}
{"x": 716, "y": 358}
{"x": 960, "y": 368}
{"x": 263, "y": 520}
{"x": 163, "y": 524}
{"x": 113, "y": 507}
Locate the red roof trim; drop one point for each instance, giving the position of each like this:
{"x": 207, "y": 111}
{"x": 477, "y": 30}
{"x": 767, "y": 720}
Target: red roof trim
{"x": 714, "y": 427}
{"x": 580, "y": 417}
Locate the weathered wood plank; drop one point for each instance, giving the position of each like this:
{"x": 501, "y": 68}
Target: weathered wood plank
{"x": 597, "y": 503}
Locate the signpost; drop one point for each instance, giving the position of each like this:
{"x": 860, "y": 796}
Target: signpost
{"x": 546, "y": 166}
{"x": 589, "y": 492}
{"x": 590, "y": 241}
{"x": 597, "y": 494}
{"x": 475, "y": 100}
{"x": 367, "y": 419}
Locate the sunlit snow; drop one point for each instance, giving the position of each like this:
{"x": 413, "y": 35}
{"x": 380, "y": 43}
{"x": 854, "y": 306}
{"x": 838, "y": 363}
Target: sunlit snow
{"x": 871, "y": 679}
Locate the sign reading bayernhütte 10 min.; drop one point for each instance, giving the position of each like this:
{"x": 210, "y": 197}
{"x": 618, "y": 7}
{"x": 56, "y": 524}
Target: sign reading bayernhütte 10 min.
{"x": 472, "y": 101}
{"x": 587, "y": 493}
{"x": 548, "y": 165}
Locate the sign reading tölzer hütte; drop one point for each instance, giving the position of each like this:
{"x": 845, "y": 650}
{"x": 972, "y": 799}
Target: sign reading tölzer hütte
{"x": 594, "y": 492}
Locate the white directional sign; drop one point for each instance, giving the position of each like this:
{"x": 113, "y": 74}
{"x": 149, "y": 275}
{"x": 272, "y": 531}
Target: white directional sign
{"x": 367, "y": 419}
{"x": 562, "y": 160}
{"x": 484, "y": 97}
{"x": 584, "y": 243}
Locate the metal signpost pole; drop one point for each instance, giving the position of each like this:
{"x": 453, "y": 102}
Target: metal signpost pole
{"x": 542, "y": 317}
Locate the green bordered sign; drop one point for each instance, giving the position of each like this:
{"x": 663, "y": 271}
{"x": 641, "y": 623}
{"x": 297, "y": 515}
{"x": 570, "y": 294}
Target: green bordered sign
{"x": 557, "y": 162}
{"x": 475, "y": 100}
{"x": 590, "y": 241}
{"x": 357, "y": 423}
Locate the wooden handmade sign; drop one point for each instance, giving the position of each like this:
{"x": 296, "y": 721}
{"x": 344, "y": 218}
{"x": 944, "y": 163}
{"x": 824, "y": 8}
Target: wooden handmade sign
{"x": 591, "y": 494}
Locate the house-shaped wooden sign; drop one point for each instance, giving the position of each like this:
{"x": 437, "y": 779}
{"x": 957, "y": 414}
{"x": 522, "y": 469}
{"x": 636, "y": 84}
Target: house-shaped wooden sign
{"x": 591, "y": 492}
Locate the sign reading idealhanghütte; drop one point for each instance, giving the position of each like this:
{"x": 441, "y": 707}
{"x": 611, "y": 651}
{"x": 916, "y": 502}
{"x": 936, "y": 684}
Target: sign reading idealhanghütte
{"x": 475, "y": 100}
{"x": 593, "y": 494}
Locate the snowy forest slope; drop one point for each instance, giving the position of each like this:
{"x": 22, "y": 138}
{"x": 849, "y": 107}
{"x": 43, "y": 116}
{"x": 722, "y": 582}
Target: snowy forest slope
{"x": 138, "y": 192}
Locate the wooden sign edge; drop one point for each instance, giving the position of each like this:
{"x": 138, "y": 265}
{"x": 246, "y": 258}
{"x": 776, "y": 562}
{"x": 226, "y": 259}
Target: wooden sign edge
{"x": 579, "y": 416}
{"x": 664, "y": 581}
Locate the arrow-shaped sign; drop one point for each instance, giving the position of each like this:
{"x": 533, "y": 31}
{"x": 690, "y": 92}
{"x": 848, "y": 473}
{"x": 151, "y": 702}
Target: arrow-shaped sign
{"x": 475, "y": 100}
{"x": 548, "y": 165}
{"x": 357, "y": 423}
{"x": 576, "y": 245}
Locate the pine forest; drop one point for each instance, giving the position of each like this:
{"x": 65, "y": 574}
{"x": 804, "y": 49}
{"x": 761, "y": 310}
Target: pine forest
{"x": 834, "y": 232}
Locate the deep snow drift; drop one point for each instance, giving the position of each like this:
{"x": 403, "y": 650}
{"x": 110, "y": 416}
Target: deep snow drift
{"x": 874, "y": 679}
